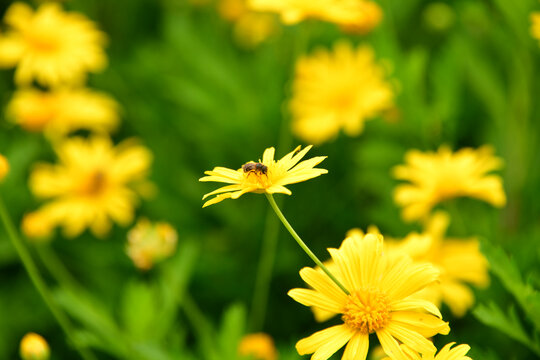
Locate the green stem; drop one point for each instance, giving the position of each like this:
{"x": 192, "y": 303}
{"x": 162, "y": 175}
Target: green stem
{"x": 301, "y": 243}
{"x": 55, "y": 267}
{"x": 201, "y": 326}
{"x": 39, "y": 283}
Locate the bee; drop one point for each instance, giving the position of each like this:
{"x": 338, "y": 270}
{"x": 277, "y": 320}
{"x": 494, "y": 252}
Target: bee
{"x": 255, "y": 167}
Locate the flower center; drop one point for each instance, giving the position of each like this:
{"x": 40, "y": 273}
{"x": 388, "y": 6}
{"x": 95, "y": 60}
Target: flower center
{"x": 367, "y": 311}
{"x": 42, "y": 41}
{"x": 256, "y": 174}
{"x": 94, "y": 184}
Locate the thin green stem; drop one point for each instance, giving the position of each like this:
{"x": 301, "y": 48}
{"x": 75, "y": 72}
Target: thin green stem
{"x": 201, "y": 326}
{"x": 39, "y": 283}
{"x": 302, "y": 244}
{"x": 55, "y": 267}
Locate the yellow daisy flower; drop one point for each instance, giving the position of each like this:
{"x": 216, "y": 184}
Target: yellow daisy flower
{"x": 34, "y": 347}
{"x": 359, "y": 15}
{"x": 4, "y": 167}
{"x": 51, "y": 46}
{"x": 258, "y": 346}
{"x": 459, "y": 261}
{"x": 442, "y": 175}
{"x": 535, "y": 26}
{"x": 62, "y": 111}
{"x": 266, "y": 176}
{"x": 93, "y": 183}
{"x": 338, "y": 90}
{"x": 457, "y": 353}
{"x": 149, "y": 243}
{"x": 378, "y": 302}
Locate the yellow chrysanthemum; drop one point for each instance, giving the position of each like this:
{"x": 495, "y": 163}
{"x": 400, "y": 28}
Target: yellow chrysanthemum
{"x": 379, "y": 302}
{"x": 258, "y": 346}
{"x": 535, "y": 27}
{"x": 149, "y": 243}
{"x": 62, "y": 111}
{"x": 4, "y": 167}
{"x": 459, "y": 261}
{"x": 51, "y": 46}
{"x": 353, "y": 15}
{"x": 457, "y": 353}
{"x": 338, "y": 90}
{"x": 442, "y": 175}
{"x": 266, "y": 176}
{"x": 93, "y": 184}
{"x": 34, "y": 347}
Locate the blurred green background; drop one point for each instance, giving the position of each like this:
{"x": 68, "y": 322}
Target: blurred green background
{"x": 199, "y": 100}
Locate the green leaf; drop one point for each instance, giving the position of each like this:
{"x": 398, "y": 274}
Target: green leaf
{"x": 509, "y": 324}
{"x": 138, "y": 309}
{"x": 231, "y": 330}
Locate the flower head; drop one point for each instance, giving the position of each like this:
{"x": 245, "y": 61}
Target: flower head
{"x": 265, "y": 176}
{"x": 442, "y": 175}
{"x": 150, "y": 242}
{"x": 93, "y": 183}
{"x": 457, "y": 353}
{"x": 338, "y": 90}
{"x": 51, "y": 46}
{"x": 258, "y": 346}
{"x": 64, "y": 110}
{"x": 459, "y": 261}
{"x": 4, "y": 167}
{"x": 378, "y": 302}
{"x": 353, "y": 15}
{"x": 34, "y": 347}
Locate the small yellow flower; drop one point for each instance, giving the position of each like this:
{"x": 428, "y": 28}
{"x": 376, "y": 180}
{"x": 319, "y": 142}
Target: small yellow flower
{"x": 442, "y": 175}
{"x": 258, "y": 346}
{"x": 62, "y": 111}
{"x": 4, "y": 167}
{"x": 51, "y": 46}
{"x": 266, "y": 176}
{"x": 338, "y": 90}
{"x": 379, "y": 302}
{"x": 149, "y": 243}
{"x": 457, "y": 353}
{"x": 93, "y": 184}
{"x": 535, "y": 26}
{"x": 34, "y": 347}
{"x": 360, "y": 15}
{"x": 459, "y": 261}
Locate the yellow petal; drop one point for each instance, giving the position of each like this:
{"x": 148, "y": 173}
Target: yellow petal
{"x": 325, "y": 343}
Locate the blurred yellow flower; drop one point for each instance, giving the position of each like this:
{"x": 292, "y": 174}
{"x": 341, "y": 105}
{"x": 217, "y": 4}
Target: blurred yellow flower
{"x": 459, "y": 261}
{"x": 379, "y": 302}
{"x": 258, "y": 346}
{"x": 4, "y": 167}
{"x": 266, "y": 176}
{"x": 51, "y": 46}
{"x": 457, "y": 353}
{"x": 64, "y": 110}
{"x": 535, "y": 27}
{"x": 338, "y": 90}
{"x": 93, "y": 183}
{"x": 149, "y": 243}
{"x": 357, "y": 15}
{"x": 34, "y": 347}
{"x": 442, "y": 175}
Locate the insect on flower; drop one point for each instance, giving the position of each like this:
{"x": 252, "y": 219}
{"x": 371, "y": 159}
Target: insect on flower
{"x": 255, "y": 167}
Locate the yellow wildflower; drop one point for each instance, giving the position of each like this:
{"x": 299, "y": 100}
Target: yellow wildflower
{"x": 34, "y": 347}
{"x": 4, "y": 167}
{"x": 266, "y": 176}
{"x": 459, "y": 261}
{"x": 258, "y": 346}
{"x": 360, "y": 15}
{"x": 535, "y": 27}
{"x": 150, "y": 242}
{"x": 379, "y": 302}
{"x": 62, "y": 111}
{"x": 442, "y": 175}
{"x": 338, "y": 90}
{"x": 51, "y": 46}
{"x": 93, "y": 183}
{"x": 457, "y": 353}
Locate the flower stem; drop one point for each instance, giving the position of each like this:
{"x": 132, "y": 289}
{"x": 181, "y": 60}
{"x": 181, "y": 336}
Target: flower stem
{"x": 301, "y": 243}
{"x": 39, "y": 283}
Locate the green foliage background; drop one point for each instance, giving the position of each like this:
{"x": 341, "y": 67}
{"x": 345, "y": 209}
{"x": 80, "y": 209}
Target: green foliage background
{"x": 197, "y": 100}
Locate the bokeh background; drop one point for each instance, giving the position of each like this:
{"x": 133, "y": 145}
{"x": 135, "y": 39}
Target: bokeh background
{"x": 467, "y": 75}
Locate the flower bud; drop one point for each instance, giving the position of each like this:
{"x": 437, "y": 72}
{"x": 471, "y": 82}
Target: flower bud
{"x": 34, "y": 347}
{"x": 4, "y": 167}
{"x": 149, "y": 243}
{"x": 259, "y": 346}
